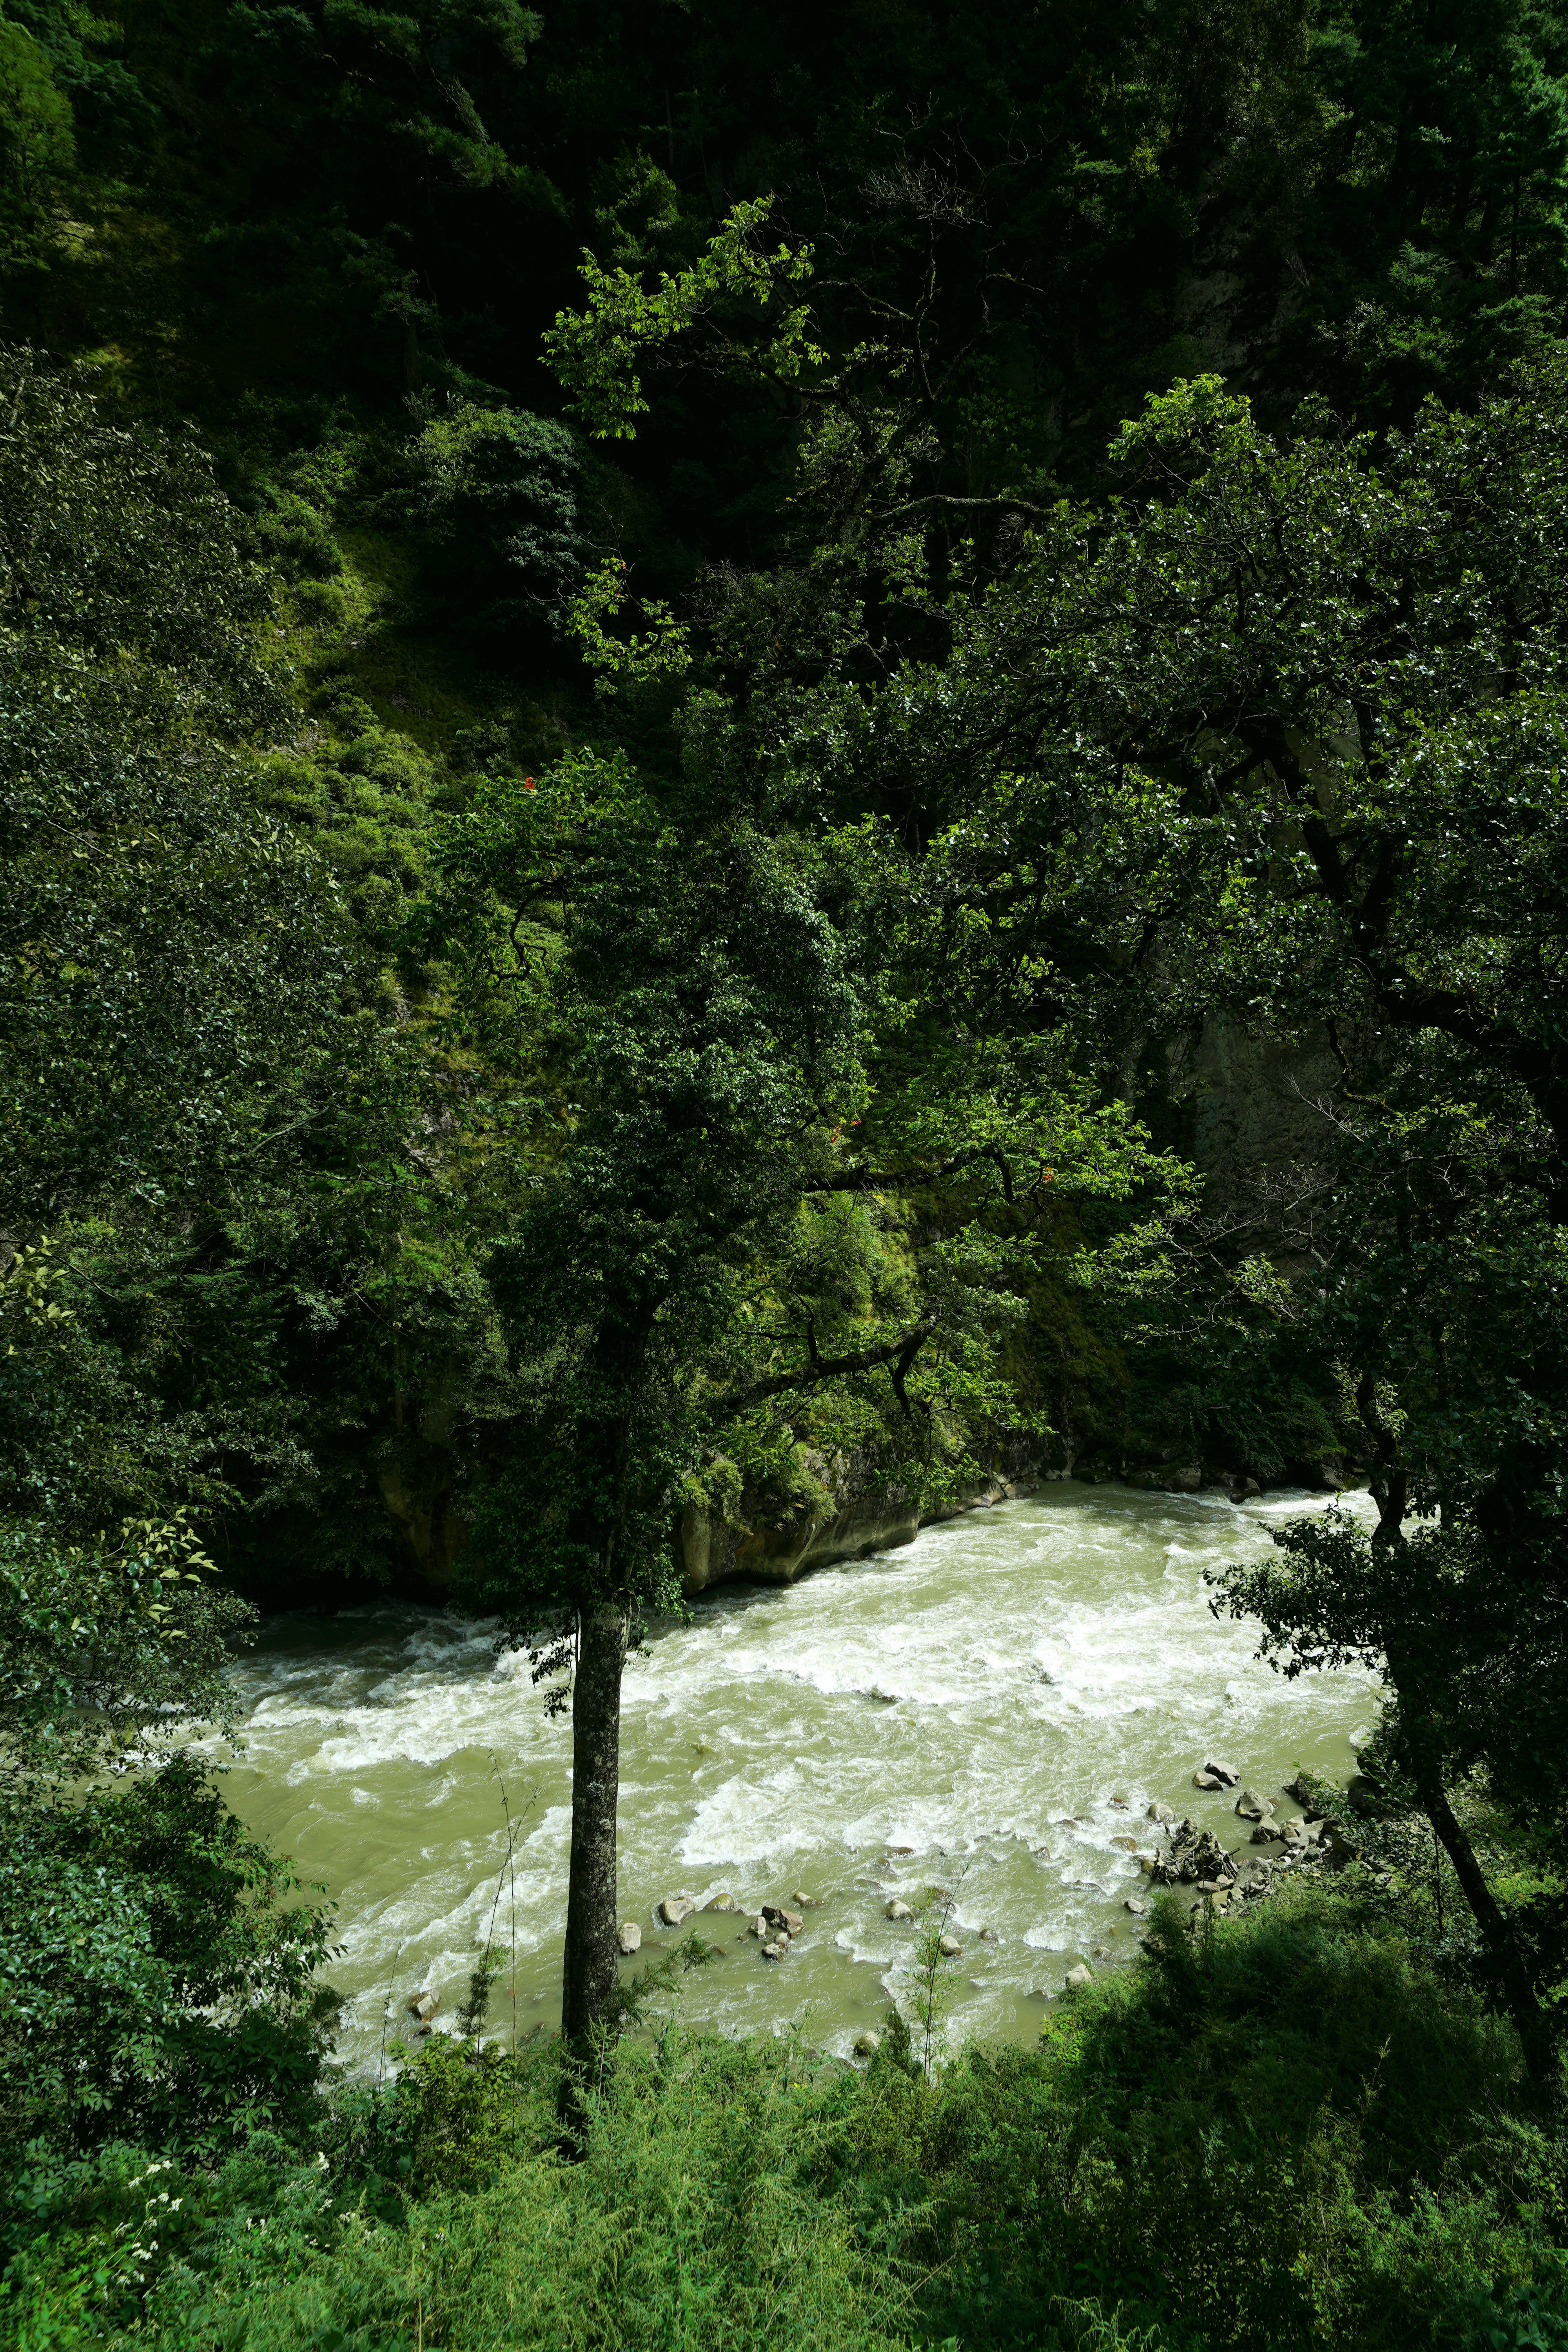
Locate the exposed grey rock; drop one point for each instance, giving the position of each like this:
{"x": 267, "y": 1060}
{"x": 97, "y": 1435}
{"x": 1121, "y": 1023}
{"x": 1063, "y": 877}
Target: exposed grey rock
{"x": 724, "y": 1901}
{"x": 629, "y": 1936}
{"x": 949, "y": 1947}
{"x": 843, "y": 1520}
{"x": 675, "y": 1908}
{"x": 759, "y": 1927}
{"x": 897, "y": 1910}
{"x": 1226, "y": 1774}
{"x": 1251, "y": 1807}
{"x": 1207, "y": 1781}
{"x": 1194, "y": 1854}
{"x": 807, "y": 1902}
{"x": 867, "y": 2044}
{"x": 1268, "y": 1834}
{"x": 1076, "y": 1979}
{"x": 423, "y": 2006}
{"x": 774, "y": 1952}
{"x": 1244, "y": 1488}
{"x": 1136, "y": 1905}
{"x": 1159, "y": 1812}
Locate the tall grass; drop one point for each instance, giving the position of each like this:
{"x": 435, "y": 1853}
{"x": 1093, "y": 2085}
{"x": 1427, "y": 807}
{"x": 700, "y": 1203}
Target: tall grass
{"x": 1287, "y": 2133}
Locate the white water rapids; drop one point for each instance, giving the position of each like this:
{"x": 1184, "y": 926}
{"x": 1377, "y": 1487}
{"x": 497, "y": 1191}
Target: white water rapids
{"x": 988, "y": 1710}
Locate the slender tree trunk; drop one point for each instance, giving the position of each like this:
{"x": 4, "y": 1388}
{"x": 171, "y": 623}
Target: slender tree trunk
{"x": 1390, "y": 1490}
{"x": 1496, "y": 1932}
{"x": 590, "y": 1975}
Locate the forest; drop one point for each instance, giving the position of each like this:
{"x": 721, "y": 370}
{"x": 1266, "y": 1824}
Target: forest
{"x": 764, "y": 770}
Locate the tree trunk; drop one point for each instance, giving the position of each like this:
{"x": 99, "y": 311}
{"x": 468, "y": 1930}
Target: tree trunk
{"x": 590, "y": 1977}
{"x": 1496, "y": 1931}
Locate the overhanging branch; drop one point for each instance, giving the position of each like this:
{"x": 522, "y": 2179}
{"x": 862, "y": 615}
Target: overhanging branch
{"x": 900, "y": 1353}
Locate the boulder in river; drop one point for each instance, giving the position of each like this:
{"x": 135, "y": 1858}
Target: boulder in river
{"x": 1252, "y": 1807}
{"x": 629, "y": 1936}
{"x": 897, "y": 1910}
{"x": 1163, "y": 1815}
{"x": 423, "y": 2006}
{"x": 1077, "y": 1979}
{"x": 1136, "y": 1905}
{"x": 774, "y": 1952}
{"x": 1194, "y": 1854}
{"x": 1204, "y": 1779}
{"x": 949, "y": 1948}
{"x": 807, "y": 1902}
{"x": 724, "y": 1901}
{"x": 867, "y": 2044}
{"x": 1226, "y": 1774}
{"x": 1268, "y": 1834}
{"x": 675, "y": 1908}
{"x": 790, "y": 1922}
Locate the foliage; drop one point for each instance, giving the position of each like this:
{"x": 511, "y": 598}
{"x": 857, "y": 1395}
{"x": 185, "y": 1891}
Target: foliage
{"x": 162, "y": 1989}
{"x": 596, "y": 353}
{"x": 1309, "y": 2077}
{"x": 100, "y": 1642}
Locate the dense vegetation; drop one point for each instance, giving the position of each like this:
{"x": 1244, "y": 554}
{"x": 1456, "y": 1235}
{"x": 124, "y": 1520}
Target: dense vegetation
{"x": 660, "y": 675}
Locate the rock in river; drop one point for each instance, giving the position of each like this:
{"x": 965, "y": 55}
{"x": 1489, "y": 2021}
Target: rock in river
{"x": 897, "y": 1910}
{"x": 675, "y": 1908}
{"x": 1076, "y": 1979}
{"x": 629, "y": 1936}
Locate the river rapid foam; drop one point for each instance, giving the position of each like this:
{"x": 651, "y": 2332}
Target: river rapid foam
{"x": 988, "y": 1710}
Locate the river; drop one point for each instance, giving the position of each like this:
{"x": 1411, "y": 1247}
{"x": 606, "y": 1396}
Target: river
{"x": 989, "y": 1709}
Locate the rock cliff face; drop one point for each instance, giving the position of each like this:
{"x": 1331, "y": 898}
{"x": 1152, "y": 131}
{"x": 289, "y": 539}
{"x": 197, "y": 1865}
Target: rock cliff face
{"x": 711, "y": 1549}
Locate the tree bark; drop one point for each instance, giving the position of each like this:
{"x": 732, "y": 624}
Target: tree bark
{"x": 590, "y": 1976}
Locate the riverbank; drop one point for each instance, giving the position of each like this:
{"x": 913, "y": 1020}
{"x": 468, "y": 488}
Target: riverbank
{"x": 1275, "y": 2136}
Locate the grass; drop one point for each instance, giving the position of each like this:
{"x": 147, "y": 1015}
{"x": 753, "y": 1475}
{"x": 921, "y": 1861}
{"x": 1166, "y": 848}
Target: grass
{"x": 1290, "y": 2133}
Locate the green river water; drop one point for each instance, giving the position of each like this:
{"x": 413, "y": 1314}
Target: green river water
{"x": 989, "y": 1709}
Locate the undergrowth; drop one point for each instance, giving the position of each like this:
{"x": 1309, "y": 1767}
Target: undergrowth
{"x": 1286, "y": 2132}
